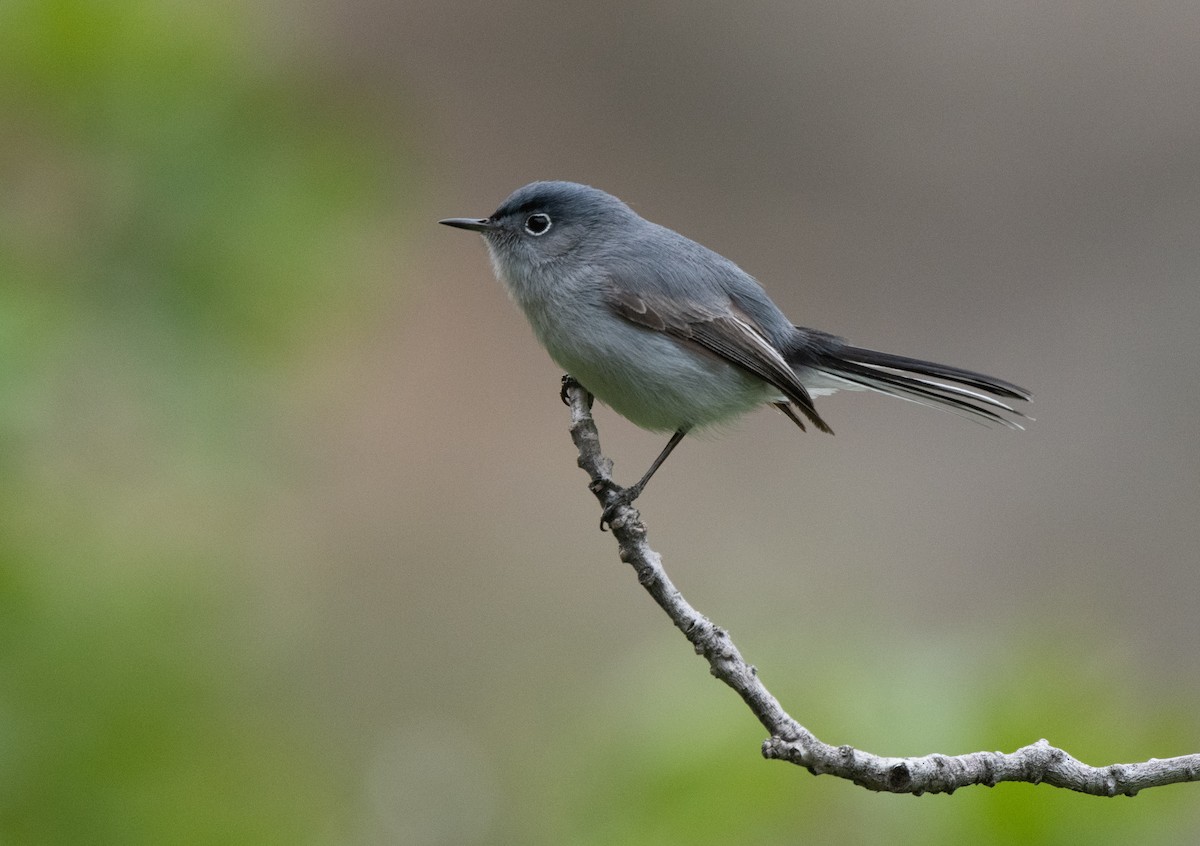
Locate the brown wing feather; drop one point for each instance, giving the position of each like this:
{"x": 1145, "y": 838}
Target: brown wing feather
{"x": 729, "y": 334}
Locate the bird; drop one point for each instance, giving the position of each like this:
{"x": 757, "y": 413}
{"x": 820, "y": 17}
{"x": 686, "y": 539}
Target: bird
{"x": 677, "y": 338}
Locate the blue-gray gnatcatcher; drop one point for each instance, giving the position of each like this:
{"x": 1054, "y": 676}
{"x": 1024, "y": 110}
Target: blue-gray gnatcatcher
{"x": 673, "y": 336}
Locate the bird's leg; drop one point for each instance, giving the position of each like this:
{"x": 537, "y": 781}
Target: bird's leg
{"x": 624, "y": 496}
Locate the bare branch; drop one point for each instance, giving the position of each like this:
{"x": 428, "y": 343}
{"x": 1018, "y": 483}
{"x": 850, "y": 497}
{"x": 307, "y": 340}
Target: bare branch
{"x": 1037, "y": 763}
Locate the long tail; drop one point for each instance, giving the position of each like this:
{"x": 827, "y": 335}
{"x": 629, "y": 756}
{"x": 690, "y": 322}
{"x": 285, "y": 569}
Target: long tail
{"x": 969, "y": 394}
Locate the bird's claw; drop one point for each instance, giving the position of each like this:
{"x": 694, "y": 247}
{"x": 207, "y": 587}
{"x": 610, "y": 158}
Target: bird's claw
{"x": 618, "y": 498}
{"x": 568, "y": 382}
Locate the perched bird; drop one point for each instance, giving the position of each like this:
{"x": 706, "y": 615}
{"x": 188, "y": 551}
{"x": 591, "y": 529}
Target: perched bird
{"x": 675, "y": 337}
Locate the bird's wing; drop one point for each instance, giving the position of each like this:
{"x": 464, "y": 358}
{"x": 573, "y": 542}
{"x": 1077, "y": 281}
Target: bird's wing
{"x": 729, "y": 333}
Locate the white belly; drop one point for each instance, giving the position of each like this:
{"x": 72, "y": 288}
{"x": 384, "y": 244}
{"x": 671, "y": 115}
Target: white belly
{"x": 658, "y": 383}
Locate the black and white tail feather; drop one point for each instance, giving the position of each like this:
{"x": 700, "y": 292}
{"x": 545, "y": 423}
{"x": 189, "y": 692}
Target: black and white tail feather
{"x": 966, "y": 393}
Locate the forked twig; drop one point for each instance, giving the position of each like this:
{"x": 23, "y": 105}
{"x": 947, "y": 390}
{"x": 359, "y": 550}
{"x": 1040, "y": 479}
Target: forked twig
{"x": 1037, "y": 763}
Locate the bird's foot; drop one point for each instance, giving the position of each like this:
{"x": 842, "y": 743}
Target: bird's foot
{"x": 615, "y": 498}
{"x": 569, "y": 382}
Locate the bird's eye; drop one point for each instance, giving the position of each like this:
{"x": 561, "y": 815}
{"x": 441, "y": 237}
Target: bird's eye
{"x": 537, "y": 224}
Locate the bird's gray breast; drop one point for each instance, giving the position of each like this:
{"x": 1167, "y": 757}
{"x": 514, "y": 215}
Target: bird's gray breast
{"x": 652, "y": 379}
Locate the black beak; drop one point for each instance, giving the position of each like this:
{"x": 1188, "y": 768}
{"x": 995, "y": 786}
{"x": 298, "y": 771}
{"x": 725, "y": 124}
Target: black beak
{"x": 475, "y": 224}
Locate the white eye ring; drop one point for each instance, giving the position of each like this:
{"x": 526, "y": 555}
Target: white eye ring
{"x": 538, "y": 224}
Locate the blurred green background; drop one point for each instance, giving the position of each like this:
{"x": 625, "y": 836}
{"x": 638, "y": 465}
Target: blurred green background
{"x": 294, "y": 548}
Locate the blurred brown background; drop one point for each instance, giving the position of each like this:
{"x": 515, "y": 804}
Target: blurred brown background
{"x": 295, "y": 548}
